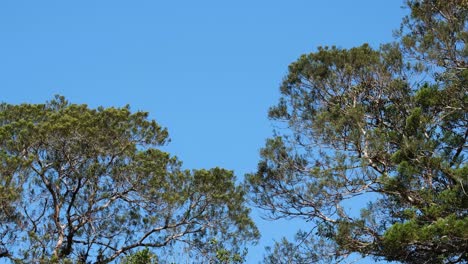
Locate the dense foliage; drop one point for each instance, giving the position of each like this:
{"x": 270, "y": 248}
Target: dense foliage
{"x": 90, "y": 186}
{"x": 388, "y": 126}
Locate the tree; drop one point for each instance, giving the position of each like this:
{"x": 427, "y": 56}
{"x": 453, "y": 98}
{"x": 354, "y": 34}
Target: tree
{"x": 389, "y": 125}
{"x": 90, "y": 186}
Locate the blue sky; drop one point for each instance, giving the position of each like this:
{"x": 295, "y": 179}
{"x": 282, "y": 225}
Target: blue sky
{"x": 207, "y": 70}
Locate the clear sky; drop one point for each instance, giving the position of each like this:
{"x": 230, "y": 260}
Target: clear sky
{"x": 207, "y": 70}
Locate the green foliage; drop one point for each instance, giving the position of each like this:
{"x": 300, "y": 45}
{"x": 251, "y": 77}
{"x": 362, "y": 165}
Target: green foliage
{"x": 141, "y": 257}
{"x": 90, "y": 185}
{"x": 219, "y": 254}
{"x": 389, "y": 124}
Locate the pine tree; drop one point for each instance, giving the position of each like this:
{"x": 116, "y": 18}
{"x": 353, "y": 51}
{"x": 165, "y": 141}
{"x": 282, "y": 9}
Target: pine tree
{"x": 387, "y": 124}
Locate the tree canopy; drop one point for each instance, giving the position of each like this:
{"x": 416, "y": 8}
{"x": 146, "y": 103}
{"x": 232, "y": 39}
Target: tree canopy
{"x": 388, "y": 126}
{"x": 383, "y": 127}
{"x": 86, "y": 185}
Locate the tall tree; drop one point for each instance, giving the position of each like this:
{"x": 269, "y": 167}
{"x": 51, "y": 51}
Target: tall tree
{"x": 389, "y": 125}
{"x": 90, "y": 186}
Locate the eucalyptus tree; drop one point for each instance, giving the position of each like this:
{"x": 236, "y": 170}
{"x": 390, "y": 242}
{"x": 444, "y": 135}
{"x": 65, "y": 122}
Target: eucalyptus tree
{"x": 389, "y": 125}
{"x": 89, "y": 185}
